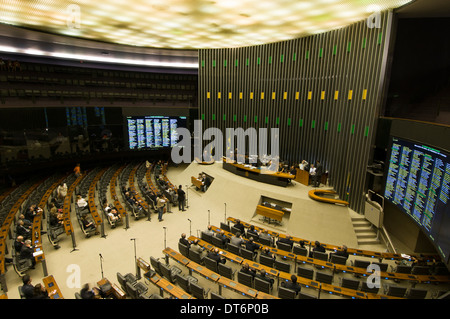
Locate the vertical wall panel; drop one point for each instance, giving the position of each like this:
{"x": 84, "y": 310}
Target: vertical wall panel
{"x": 311, "y": 79}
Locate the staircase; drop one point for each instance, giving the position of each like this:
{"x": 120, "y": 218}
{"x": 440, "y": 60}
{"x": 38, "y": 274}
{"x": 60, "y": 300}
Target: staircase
{"x": 366, "y": 234}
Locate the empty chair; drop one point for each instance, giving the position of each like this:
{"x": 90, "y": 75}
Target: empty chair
{"x": 183, "y": 282}
{"x": 265, "y": 241}
{"x": 245, "y": 279}
{"x": 210, "y": 264}
{"x": 414, "y": 293}
{"x": 383, "y": 266}
{"x": 217, "y": 242}
{"x": 403, "y": 269}
{"x": 420, "y": 270}
{"x": 155, "y": 264}
{"x": 366, "y": 288}
{"x": 183, "y": 249}
{"x": 298, "y": 250}
{"x": 284, "y": 246}
{"x": 395, "y": 291}
{"x": 195, "y": 256}
{"x": 336, "y": 259}
{"x": 266, "y": 260}
{"x": 324, "y": 278}
{"x": 214, "y": 295}
{"x": 262, "y": 285}
{"x": 131, "y": 291}
{"x": 361, "y": 263}
{"x": 303, "y": 295}
{"x": 122, "y": 281}
{"x": 168, "y": 272}
{"x": 225, "y": 271}
{"x": 234, "y": 249}
{"x": 350, "y": 283}
{"x": 282, "y": 266}
{"x": 198, "y": 291}
{"x": 206, "y": 237}
{"x": 247, "y": 254}
{"x": 285, "y": 293}
{"x": 225, "y": 227}
{"x": 305, "y": 272}
{"x": 319, "y": 255}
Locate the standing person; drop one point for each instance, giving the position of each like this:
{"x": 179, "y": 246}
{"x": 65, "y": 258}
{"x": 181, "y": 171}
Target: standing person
{"x": 181, "y": 198}
{"x": 160, "y": 203}
{"x": 319, "y": 172}
{"x": 77, "y": 170}
{"x": 312, "y": 174}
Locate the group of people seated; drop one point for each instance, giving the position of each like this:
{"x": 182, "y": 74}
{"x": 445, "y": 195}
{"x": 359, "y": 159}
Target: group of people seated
{"x": 10, "y": 65}
{"x": 205, "y": 180}
{"x": 38, "y": 291}
{"x": 112, "y": 213}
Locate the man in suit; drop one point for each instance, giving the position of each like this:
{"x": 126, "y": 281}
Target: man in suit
{"x": 27, "y": 253}
{"x": 237, "y": 240}
{"x": 27, "y": 288}
{"x": 221, "y": 235}
{"x": 319, "y": 172}
{"x": 292, "y": 284}
{"x": 317, "y": 247}
{"x": 262, "y": 275}
{"x": 247, "y": 270}
{"x": 181, "y": 198}
{"x": 251, "y": 245}
{"x": 184, "y": 241}
{"x": 343, "y": 252}
{"x": 239, "y": 226}
{"x": 214, "y": 255}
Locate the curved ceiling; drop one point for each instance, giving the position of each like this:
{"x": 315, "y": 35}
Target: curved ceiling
{"x": 188, "y": 24}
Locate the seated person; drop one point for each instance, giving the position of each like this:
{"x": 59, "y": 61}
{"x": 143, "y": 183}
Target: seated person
{"x": 88, "y": 224}
{"x": 90, "y": 293}
{"x": 251, "y": 232}
{"x": 239, "y": 226}
{"x": 18, "y": 244}
{"x": 317, "y": 247}
{"x": 27, "y": 253}
{"x": 27, "y": 288}
{"x": 196, "y": 247}
{"x": 247, "y": 270}
{"x": 23, "y": 231}
{"x": 184, "y": 241}
{"x": 82, "y": 203}
{"x": 221, "y": 235}
{"x": 343, "y": 252}
{"x": 209, "y": 231}
{"x": 251, "y": 245}
{"x": 263, "y": 276}
{"x": 214, "y": 255}
{"x": 265, "y": 235}
{"x": 26, "y": 222}
{"x": 266, "y": 252}
{"x": 114, "y": 215}
{"x": 40, "y": 292}
{"x": 237, "y": 240}
{"x": 292, "y": 284}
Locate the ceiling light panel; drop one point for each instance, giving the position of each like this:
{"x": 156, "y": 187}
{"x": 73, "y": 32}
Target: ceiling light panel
{"x": 188, "y": 24}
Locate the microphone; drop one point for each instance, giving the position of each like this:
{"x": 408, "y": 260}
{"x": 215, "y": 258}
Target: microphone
{"x": 100, "y": 256}
{"x": 188, "y": 219}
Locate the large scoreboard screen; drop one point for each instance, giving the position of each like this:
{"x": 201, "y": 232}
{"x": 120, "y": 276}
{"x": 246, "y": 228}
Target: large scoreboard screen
{"x": 417, "y": 182}
{"x": 150, "y": 132}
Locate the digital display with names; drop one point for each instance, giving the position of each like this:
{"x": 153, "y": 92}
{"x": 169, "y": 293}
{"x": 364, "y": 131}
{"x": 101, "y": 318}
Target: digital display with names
{"x": 149, "y": 132}
{"x": 417, "y": 182}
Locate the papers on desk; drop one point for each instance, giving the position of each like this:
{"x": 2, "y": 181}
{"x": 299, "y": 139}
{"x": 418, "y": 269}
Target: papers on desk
{"x": 38, "y": 253}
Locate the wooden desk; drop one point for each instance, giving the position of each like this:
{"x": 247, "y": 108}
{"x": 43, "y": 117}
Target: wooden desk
{"x": 176, "y": 256}
{"x": 302, "y": 176}
{"x": 237, "y": 287}
{"x": 51, "y": 285}
{"x": 115, "y": 290}
{"x": 270, "y": 213}
{"x": 280, "y": 179}
{"x": 197, "y": 183}
{"x": 168, "y": 287}
{"x": 315, "y": 194}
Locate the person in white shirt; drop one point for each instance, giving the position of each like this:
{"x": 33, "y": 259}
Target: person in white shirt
{"x": 160, "y": 203}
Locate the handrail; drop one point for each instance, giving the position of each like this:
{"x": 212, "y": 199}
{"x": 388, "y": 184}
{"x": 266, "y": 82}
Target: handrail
{"x": 388, "y": 241}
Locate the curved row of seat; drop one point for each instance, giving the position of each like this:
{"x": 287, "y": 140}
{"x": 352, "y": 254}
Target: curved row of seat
{"x": 331, "y": 247}
{"x": 359, "y": 267}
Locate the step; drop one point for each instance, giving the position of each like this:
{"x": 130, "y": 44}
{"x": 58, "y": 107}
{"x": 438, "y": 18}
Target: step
{"x": 368, "y": 241}
{"x": 362, "y": 224}
{"x": 366, "y": 235}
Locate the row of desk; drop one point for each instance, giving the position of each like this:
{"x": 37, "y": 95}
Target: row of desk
{"x": 316, "y": 194}
{"x": 91, "y": 194}
{"x": 68, "y": 228}
{"x": 112, "y": 190}
{"x": 351, "y": 251}
{"x": 5, "y": 227}
{"x": 280, "y": 275}
{"x": 221, "y": 281}
{"x": 349, "y": 269}
{"x": 279, "y": 179}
